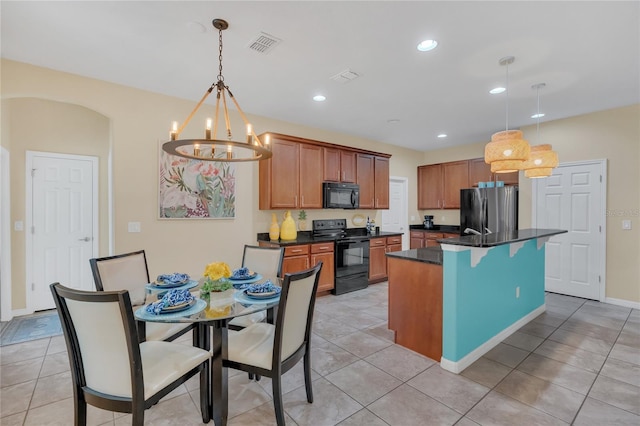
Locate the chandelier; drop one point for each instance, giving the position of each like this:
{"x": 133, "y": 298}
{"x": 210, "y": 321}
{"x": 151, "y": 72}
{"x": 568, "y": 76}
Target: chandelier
{"x": 210, "y": 148}
{"x": 542, "y": 159}
{"x": 507, "y": 151}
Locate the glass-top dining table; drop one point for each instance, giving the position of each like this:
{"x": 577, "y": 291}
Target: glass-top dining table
{"x": 211, "y": 318}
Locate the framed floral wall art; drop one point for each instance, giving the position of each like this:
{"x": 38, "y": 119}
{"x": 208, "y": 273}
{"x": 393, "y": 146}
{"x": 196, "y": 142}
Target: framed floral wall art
{"x": 193, "y": 189}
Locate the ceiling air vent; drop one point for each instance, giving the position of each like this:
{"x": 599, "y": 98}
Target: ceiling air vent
{"x": 345, "y": 76}
{"x": 264, "y": 43}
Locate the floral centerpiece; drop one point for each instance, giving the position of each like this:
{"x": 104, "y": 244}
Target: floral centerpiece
{"x": 216, "y": 276}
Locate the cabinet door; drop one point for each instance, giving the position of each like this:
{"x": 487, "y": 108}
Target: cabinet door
{"x": 430, "y": 187}
{"x": 331, "y": 161}
{"x": 377, "y": 262}
{"x": 348, "y": 166}
{"x": 310, "y": 181}
{"x": 285, "y": 169}
{"x": 295, "y": 264}
{"x": 326, "y": 281}
{"x": 394, "y": 247}
{"x": 365, "y": 178}
{"x": 455, "y": 178}
{"x": 479, "y": 171}
{"x": 381, "y": 169}
{"x": 416, "y": 239}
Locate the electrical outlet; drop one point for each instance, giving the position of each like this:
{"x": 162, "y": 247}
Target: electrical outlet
{"x": 517, "y": 292}
{"x": 413, "y": 218}
{"x": 18, "y": 225}
{"x": 133, "y": 226}
{"x": 626, "y": 225}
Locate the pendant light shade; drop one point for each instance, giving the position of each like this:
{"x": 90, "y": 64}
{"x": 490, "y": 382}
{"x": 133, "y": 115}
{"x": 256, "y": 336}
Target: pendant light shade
{"x": 542, "y": 159}
{"x": 506, "y": 152}
{"x": 541, "y": 162}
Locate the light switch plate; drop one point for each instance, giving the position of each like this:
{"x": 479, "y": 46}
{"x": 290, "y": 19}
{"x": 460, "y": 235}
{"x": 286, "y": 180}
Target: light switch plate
{"x": 626, "y": 224}
{"x": 134, "y": 226}
{"x": 18, "y": 225}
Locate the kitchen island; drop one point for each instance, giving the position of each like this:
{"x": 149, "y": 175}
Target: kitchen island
{"x": 456, "y": 303}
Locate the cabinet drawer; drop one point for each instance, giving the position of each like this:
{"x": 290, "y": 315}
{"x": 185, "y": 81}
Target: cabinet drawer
{"x": 377, "y": 242}
{"x": 322, "y": 248}
{"x": 394, "y": 240}
{"x": 296, "y": 250}
{"x": 433, "y": 235}
{"x": 416, "y": 234}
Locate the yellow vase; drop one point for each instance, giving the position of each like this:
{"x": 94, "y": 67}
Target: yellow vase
{"x": 288, "y": 230}
{"x": 274, "y": 230}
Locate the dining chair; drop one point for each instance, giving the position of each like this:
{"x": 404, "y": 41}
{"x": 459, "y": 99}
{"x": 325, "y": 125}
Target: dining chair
{"x": 271, "y": 350}
{"x": 129, "y": 272}
{"x": 267, "y": 261}
{"x": 110, "y": 369}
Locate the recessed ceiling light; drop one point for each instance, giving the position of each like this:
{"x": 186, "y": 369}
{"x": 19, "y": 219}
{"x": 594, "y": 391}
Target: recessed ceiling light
{"x": 538, "y": 115}
{"x": 497, "y": 90}
{"x": 393, "y": 121}
{"x": 442, "y": 135}
{"x": 319, "y": 98}
{"x": 427, "y": 45}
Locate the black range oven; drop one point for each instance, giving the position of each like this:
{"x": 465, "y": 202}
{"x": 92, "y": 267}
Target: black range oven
{"x": 351, "y": 253}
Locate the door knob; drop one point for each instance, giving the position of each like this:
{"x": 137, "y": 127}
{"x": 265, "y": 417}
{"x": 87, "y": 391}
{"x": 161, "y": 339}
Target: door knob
{"x": 85, "y": 239}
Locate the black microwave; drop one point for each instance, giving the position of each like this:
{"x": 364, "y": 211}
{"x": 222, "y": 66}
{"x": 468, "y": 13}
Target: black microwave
{"x": 340, "y": 195}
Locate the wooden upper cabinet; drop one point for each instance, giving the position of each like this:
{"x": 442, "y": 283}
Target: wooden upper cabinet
{"x": 285, "y": 170}
{"x": 331, "y": 170}
{"x": 455, "y": 177}
{"x": 292, "y": 178}
{"x": 365, "y": 179}
{"x": 381, "y": 179}
{"x": 479, "y": 171}
{"x": 310, "y": 178}
{"x": 348, "y": 166}
{"x": 430, "y": 187}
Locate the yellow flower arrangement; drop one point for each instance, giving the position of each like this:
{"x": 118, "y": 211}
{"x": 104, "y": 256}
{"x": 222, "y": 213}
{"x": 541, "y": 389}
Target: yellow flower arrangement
{"x": 216, "y": 270}
{"x": 216, "y": 275}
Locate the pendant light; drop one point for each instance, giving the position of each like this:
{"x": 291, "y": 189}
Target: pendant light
{"x": 507, "y": 151}
{"x": 227, "y": 149}
{"x": 542, "y": 160}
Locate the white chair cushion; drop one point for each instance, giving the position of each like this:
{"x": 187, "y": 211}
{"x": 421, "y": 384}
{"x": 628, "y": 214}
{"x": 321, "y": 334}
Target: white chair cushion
{"x": 164, "y": 362}
{"x": 253, "y": 345}
{"x": 247, "y": 320}
{"x": 160, "y": 331}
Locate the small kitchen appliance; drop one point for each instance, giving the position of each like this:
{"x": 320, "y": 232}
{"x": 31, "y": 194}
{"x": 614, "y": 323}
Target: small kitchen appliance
{"x": 428, "y": 222}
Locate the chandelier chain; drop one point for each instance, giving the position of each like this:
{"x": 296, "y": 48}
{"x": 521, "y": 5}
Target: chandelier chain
{"x": 220, "y": 76}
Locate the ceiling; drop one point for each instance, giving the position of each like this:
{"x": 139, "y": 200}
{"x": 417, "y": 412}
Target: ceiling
{"x": 587, "y": 54}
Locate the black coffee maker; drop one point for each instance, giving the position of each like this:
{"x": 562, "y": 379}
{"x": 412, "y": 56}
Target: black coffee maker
{"x": 428, "y": 222}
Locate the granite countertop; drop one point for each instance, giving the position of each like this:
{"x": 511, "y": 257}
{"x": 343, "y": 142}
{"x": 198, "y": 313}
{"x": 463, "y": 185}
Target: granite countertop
{"x": 454, "y": 229}
{"x": 500, "y": 238}
{"x": 431, "y": 255}
{"x": 306, "y": 237}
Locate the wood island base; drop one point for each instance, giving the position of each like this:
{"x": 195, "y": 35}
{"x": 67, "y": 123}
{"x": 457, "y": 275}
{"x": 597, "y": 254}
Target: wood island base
{"x": 415, "y": 305}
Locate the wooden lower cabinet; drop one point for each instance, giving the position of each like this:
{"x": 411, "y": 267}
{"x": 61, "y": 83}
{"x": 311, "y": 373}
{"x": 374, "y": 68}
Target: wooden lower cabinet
{"x": 303, "y": 256}
{"x": 378, "y": 248}
{"x": 420, "y": 239}
{"x": 415, "y": 306}
{"x": 296, "y": 258}
{"x": 377, "y": 259}
{"x": 324, "y": 252}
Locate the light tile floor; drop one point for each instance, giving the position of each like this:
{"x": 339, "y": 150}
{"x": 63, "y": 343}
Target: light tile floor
{"x": 578, "y": 363}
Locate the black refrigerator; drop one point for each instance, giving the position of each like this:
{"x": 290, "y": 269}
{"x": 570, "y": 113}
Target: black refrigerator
{"x": 494, "y": 208}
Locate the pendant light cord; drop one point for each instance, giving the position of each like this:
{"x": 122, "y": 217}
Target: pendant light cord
{"x": 507, "y": 101}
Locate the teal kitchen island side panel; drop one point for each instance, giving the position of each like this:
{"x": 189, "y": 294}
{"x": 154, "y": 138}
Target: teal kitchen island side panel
{"x": 487, "y": 290}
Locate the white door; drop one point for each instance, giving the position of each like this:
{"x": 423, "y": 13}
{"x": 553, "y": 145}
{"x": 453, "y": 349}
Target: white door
{"x": 573, "y": 198}
{"x": 62, "y": 224}
{"x": 395, "y": 218}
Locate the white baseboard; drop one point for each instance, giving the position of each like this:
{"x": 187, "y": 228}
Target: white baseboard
{"x": 473, "y": 356}
{"x": 622, "y": 302}
{"x": 21, "y": 312}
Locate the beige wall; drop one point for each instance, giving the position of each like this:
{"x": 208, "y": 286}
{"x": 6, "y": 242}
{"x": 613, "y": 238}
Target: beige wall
{"x": 613, "y": 135}
{"x": 134, "y": 123}
{"x": 139, "y": 121}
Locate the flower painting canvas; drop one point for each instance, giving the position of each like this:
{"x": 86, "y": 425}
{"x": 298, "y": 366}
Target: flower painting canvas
{"x": 193, "y": 189}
